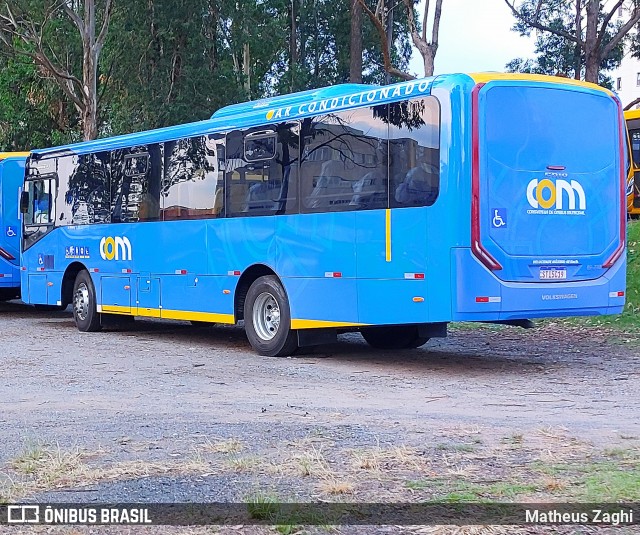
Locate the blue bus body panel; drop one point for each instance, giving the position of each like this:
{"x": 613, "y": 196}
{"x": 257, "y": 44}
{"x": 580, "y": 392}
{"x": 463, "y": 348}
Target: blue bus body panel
{"x": 549, "y": 179}
{"x": 11, "y": 178}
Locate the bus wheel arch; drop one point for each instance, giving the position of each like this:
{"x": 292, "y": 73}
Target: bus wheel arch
{"x": 85, "y": 310}
{"x": 68, "y": 282}
{"x": 267, "y": 320}
{"x": 248, "y": 277}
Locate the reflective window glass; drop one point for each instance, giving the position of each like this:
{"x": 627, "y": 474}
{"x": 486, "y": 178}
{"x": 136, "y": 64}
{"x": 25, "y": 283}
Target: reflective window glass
{"x": 414, "y": 152}
{"x": 83, "y": 193}
{"x": 268, "y": 186}
{"x": 135, "y": 183}
{"x": 344, "y": 163}
{"x": 193, "y": 183}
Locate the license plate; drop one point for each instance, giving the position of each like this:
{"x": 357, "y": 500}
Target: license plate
{"x": 553, "y": 273}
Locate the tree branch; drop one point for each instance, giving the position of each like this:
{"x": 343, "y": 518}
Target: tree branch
{"x": 424, "y": 19}
{"x": 74, "y": 17}
{"x": 542, "y": 27}
{"x": 436, "y": 24}
{"x": 605, "y": 23}
{"x": 624, "y": 29}
{"x": 105, "y": 26}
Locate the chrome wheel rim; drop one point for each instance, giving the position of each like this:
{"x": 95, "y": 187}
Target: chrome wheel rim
{"x": 81, "y": 302}
{"x": 266, "y": 316}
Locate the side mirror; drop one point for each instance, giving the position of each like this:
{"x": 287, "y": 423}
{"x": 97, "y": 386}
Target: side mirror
{"x": 24, "y": 202}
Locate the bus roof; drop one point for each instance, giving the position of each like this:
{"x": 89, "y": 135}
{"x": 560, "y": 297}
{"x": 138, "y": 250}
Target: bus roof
{"x": 5, "y": 155}
{"x": 293, "y": 106}
{"x": 485, "y": 77}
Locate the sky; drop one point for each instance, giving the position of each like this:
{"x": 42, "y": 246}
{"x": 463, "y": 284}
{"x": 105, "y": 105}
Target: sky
{"x": 475, "y": 35}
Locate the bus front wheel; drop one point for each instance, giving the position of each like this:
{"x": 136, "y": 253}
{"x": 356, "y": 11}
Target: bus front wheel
{"x": 85, "y": 311}
{"x": 397, "y": 337}
{"x": 267, "y": 318}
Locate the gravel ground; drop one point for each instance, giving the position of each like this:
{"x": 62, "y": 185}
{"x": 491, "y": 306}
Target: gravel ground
{"x": 163, "y": 412}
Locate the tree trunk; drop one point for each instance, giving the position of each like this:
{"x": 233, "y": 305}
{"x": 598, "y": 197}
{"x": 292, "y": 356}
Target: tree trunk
{"x": 355, "y": 64}
{"x": 246, "y": 66}
{"x": 428, "y": 59}
{"x": 89, "y": 73}
{"x": 577, "y": 49}
{"x": 293, "y": 43}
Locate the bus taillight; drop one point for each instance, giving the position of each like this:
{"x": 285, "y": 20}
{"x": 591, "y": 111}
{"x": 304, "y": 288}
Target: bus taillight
{"x": 623, "y": 198}
{"x": 476, "y": 246}
{"x": 6, "y": 255}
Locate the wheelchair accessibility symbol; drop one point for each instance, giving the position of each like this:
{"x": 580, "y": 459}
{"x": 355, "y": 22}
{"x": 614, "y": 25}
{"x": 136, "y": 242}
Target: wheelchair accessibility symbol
{"x": 11, "y": 232}
{"x": 499, "y": 219}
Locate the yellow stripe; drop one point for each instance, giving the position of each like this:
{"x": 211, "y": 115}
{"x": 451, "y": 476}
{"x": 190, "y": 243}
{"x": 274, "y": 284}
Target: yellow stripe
{"x": 148, "y": 312}
{"x": 115, "y": 309}
{"x": 485, "y": 77}
{"x": 168, "y": 314}
{"x": 214, "y": 317}
{"x": 317, "y": 324}
{"x": 388, "y": 234}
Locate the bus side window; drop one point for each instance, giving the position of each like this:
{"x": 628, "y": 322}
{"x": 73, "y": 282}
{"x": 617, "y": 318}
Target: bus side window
{"x": 40, "y": 210}
{"x": 192, "y": 187}
{"x": 261, "y": 171}
{"x": 345, "y": 161}
{"x": 135, "y": 183}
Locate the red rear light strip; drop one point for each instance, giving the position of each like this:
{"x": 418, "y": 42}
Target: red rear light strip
{"x": 623, "y": 197}
{"x": 487, "y": 299}
{"x": 476, "y": 246}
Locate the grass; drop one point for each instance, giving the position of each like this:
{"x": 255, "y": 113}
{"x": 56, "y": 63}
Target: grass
{"x": 457, "y": 491}
{"x": 629, "y": 320}
{"x": 597, "y": 482}
{"x": 593, "y": 482}
{"x": 46, "y": 467}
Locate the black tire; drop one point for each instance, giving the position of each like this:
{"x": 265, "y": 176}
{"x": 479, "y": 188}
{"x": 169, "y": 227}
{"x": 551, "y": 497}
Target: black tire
{"x": 399, "y": 337}
{"x": 201, "y": 324}
{"x": 84, "y": 304}
{"x": 269, "y": 335}
{"x": 7, "y": 294}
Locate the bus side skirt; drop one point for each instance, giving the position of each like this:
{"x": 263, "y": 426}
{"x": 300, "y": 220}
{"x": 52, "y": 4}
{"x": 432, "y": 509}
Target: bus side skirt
{"x": 316, "y": 337}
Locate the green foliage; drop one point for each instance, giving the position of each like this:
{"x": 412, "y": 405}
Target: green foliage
{"x": 629, "y": 320}
{"x": 168, "y": 63}
{"x": 33, "y": 112}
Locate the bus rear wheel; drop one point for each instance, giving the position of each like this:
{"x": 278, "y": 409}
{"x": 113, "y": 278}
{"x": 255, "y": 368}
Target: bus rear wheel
{"x": 397, "y": 337}
{"x": 267, "y": 318}
{"x": 85, "y": 310}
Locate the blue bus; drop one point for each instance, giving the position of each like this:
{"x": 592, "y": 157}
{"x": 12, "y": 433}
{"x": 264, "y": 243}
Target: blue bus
{"x": 388, "y": 210}
{"x": 11, "y": 178}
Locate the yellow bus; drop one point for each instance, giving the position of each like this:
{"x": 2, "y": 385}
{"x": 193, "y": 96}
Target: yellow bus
{"x": 632, "y": 117}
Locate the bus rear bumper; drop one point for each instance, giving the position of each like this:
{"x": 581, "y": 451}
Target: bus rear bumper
{"x": 480, "y": 296}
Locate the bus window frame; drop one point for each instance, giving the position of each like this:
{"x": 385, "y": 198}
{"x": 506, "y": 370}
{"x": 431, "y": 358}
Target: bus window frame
{"x": 33, "y": 227}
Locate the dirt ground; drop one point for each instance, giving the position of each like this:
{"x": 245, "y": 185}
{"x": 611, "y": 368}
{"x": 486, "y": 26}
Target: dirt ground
{"x": 164, "y": 412}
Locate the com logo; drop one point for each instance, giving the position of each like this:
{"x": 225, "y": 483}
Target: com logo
{"x": 115, "y": 248}
{"x": 548, "y": 194}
